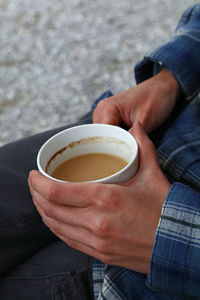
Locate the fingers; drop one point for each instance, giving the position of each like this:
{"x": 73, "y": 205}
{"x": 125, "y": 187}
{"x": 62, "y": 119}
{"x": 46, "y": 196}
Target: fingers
{"x": 67, "y": 214}
{"x": 75, "y": 226}
{"x": 75, "y": 236}
{"x": 72, "y": 232}
{"x": 106, "y": 112}
{"x": 74, "y": 194}
{"x": 147, "y": 152}
{"x": 84, "y": 239}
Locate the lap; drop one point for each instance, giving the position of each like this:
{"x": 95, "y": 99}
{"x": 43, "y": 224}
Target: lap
{"x": 66, "y": 285}
{"x": 33, "y": 261}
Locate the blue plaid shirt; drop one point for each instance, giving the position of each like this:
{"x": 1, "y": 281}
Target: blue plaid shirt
{"x": 175, "y": 262}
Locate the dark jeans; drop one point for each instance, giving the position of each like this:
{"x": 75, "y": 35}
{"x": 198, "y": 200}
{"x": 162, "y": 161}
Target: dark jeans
{"x": 34, "y": 263}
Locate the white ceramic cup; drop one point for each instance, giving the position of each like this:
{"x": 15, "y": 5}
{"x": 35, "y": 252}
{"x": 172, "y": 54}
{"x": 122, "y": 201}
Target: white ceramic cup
{"x": 91, "y": 138}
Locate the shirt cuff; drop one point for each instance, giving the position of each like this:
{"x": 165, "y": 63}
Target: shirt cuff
{"x": 175, "y": 263}
{"x": 181, "y": 57}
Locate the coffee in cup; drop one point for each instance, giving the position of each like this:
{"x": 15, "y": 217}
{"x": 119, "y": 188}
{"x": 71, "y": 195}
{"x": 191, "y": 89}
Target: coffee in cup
{"x": 89, "y": 167}
{"x": 93, "y": 152}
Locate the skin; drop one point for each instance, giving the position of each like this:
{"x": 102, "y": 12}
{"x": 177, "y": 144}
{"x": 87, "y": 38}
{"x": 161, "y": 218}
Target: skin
{"x": 115, "y": 223}
{"x": 150, "y": 103}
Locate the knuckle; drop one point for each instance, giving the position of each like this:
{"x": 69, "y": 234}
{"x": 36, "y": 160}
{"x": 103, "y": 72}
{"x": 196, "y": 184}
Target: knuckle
{"x": 100, "y": 227}
{"x": 102, "y": 195}
{"x": 55, "y": 227}
{"x": 102, "y": 104}
{"x": 96, "y": 191}
{"x": 71, "y": 243}
{"x": 108, "y": 198}
{"x": 114, "y": 197}
{"x": 51, "y": 192}
{"x": 102, "y": 246}
{"x": 75, "y": 190}
{"x": 49, "y": 210}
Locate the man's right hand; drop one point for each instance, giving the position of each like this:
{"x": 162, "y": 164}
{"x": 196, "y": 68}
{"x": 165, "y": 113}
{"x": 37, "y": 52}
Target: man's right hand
{"x": 151, "y": 102}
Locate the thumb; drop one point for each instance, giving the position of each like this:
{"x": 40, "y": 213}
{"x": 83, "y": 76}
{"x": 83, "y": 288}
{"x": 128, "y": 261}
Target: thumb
{"x": 147, "y": 151}
{"x": 106, "y": 113}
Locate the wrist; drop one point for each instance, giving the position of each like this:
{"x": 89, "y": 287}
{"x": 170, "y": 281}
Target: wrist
{"x": 170, "y": 81}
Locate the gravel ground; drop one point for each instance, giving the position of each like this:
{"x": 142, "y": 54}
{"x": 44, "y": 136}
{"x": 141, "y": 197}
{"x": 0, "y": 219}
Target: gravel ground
{"x": 56, "y": 57}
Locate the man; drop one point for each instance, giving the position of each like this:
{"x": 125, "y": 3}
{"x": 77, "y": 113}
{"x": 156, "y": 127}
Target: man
{"x": 144, "y": 234}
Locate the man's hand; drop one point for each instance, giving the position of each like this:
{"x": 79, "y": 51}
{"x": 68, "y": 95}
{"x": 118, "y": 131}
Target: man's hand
{"x": 150, "y": 103}
{"x": 114, "y": 223}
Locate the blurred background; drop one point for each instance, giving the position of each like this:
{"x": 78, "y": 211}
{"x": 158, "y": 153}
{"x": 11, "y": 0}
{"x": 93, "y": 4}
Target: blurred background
{"x": 56, "y": 57}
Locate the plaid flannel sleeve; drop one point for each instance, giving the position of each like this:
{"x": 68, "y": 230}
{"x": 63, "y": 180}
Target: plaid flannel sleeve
{"x": 180, "y": 55}
{"x": 175, "y": 264}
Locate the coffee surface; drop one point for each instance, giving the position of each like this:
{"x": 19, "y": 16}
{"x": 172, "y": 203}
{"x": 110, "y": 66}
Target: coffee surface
{"x": 88, "y": 167}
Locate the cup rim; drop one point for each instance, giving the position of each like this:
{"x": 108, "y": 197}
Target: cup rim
{"x": 88, "y": 125}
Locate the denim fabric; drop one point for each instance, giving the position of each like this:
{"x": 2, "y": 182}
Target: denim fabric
{"x": 180, "y": 55}
{"x": 34, "y": 263}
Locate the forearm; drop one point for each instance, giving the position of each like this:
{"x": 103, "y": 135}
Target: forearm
{"x": 170, "y": 81}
